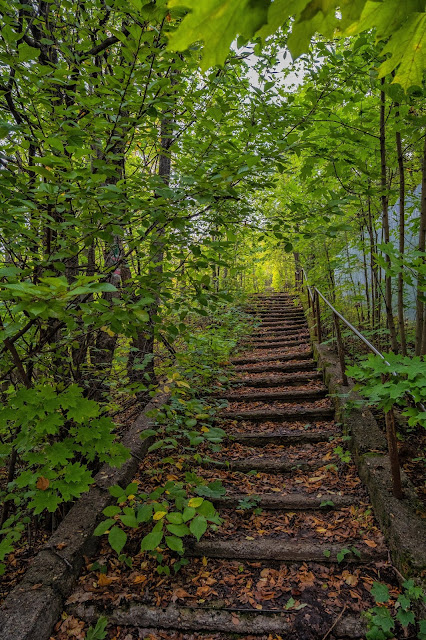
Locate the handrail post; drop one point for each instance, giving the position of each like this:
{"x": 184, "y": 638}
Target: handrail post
{"x": 340, "y": 350}
{"x": 318, "y": 315}
{"x": 393, "y": 452}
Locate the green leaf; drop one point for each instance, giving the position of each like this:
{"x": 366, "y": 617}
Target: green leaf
{"x": 129, "y": 520}
{"x": 111, "y": 511}
{"x": 179, "y": 530}
{"x": 408, "y": 50}
{"x": 117, "y": 539}
{"x": 380, "y": 592}
{"x": 98, "y": 632}
{"x": 422, "y": 630}
{"x": 103, "y": 527}
{"x": 405, "y": 617}
{"x": 175, "y": 517}
{"x": 151, "y": 541}
{"x": 175, "y": 544}
{"x": 27, "y": 53}
{"x": 195, "y": 502}
{"x": 188, "y": 513}
{"x": 198, "y": 526}
{"x": 117, "y": 492}
{"x": 341, "y": 554}
{"x": 144, "y": 513}
{"x": 217, "y": 22}
{"x": 141, "y": 315}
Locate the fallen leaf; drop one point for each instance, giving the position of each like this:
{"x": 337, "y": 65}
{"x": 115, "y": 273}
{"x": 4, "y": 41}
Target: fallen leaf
{"x": 42, "y": 483}
{"x": 103, "y": 580}
{"x": 181, "y": 593}
{"x": 370, "y": 543}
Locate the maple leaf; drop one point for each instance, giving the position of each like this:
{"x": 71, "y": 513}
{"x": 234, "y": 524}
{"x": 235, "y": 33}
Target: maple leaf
{"x": 214, "y": 22}
{"x": 42, "y": 483}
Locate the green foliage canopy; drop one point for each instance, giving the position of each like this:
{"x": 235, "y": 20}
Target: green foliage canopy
{"x": 401, "y": 26}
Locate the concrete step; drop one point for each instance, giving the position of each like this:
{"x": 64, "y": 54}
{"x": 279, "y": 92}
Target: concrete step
{"x": 278, "y": 381}
{"x": 285, "y": 356}
{"x": 272, "y": 396}
{"x": 308, "y": 365}
{"x": 280, "y": 550}
{"x": 212, "y": 619}
{"x": 261, "y": 438}
{"x": 306, "y": 414}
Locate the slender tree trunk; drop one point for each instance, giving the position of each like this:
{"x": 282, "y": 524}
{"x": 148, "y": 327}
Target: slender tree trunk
{"x": 385, "y": 222}
{"x": 142, "y": 344}
{"x": 420, "y": 306}
{"x": 366, "y": 288}
{"x": 401, "y": 322}
{"x": 79, "y": 354}
{"x": 373, "y": 266}
{"x": 297, "y": 269}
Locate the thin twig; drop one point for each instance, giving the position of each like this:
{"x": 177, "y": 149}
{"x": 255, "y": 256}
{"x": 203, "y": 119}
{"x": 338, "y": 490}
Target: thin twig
{"x": 335, "y": 622}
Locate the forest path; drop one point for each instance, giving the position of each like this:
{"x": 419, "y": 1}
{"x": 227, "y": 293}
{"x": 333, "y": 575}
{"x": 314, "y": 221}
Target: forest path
{"x": 298, "y": 549}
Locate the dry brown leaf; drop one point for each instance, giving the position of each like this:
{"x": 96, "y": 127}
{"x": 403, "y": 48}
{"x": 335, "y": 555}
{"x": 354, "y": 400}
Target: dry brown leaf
{"x": 103, "y": 580}
{"x": 42, "y": 483}
{"x": 181, "y": 593}
{"x": 350, "y": 578}
{"x": 370, "y": 543}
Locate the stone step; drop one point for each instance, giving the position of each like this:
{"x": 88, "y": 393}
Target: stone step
{"x": 285, "y": 324}
{"x": 307, "y": 365}
{"x": 211, "y": 619}
{"x": 275, "y": 309}
{"x": 280, "y": 317}
{"x": 268, "y": 345}
{"x": 285, "y": 356}
{"x": 262, "y": 439}
{"x": 266, "y": 465}
{"x": 281, "y": 550}
{"x": 284, "y": 333}
{"x": 290, "y": 502}
{"x": 278, "y": 342}
{"x": 281, "y": 311}
{"x": 286, "y": 396}
{"x": 278, "y": 381}
{"x": 306, "y": 414}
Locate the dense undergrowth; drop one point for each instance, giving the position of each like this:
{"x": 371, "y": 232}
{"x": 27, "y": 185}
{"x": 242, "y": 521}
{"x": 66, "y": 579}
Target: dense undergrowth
{"x": 70, "y": 437}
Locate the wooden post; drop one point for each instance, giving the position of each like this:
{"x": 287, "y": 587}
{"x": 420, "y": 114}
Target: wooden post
{"x": 340, "y": 349}
{"x": 318, "y": 316}
{"x": 393, "y": 452}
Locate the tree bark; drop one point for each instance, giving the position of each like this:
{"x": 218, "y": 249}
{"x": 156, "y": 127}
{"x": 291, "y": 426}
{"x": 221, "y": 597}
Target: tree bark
{"x": 420, "y": 307}
{"x": 142, "y": 344}
{"x": 401, "y": 322}
{"x": 385, "y": 222}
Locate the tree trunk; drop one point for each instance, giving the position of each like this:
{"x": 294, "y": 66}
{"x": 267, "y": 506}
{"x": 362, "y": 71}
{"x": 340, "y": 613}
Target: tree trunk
{"x": 385, "y": 222}
{"x": 142, "y": 344}
{"x": 401, "y": 322}
{"x": 420, "y": 307}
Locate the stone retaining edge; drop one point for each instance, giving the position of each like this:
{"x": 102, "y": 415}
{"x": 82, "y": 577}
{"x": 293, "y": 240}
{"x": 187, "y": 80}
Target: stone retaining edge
{"x": 403, "y": 528}
{"x": 33, "y": 607}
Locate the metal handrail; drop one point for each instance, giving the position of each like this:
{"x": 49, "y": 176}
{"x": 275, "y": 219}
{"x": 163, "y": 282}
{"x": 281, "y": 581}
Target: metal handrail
{"x": 355, "y": 331}
{"x": 352, "y": 328}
